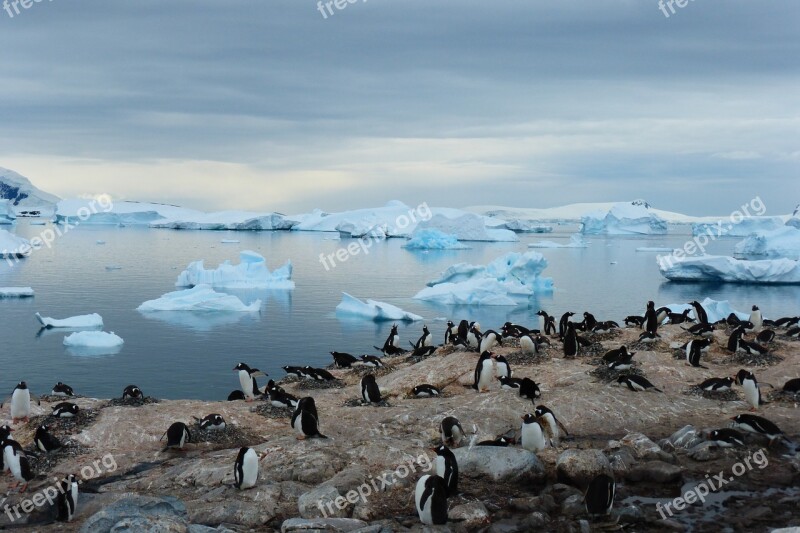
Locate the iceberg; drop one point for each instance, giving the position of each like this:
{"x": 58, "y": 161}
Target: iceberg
{"x": 199, "y": 298}
{"x": 781, "y": 242}
{"x": 377, "y": 311}
{"x": 634, "y": 218}
{"x": 715, "y": 309}
{"x": 80, "y": 321}
{"x": 16, "y": 292}
{"x": 743, "y": 228}
{"x": 575, "y": 241}
{"x": 250, "y": 273}
{"x": 467, "y": 227}
{"x": 7, "y": 214}
{"x": 655, "y": 249}
{"x": 728, "y": 269}
{"x": 433, "y": 239}
{"x": 93, "y": 342}
{"x": 22, "y": 195}
{"x": 508, "y": 280}
{"x": 13, "y": 246}
{"x": 794, "y": 218}
{"x": 527, "y": 226}
{"x": 361, "y": 228}
{"x": 227, "y": 220}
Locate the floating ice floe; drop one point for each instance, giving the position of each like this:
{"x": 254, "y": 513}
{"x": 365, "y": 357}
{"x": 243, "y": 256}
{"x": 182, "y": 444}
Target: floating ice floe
{"x": 80, "y": 321}
{"x": 728, "y": 269}
{"x": 781, "y": 242}
{"x": 508, "y": 280}
{"x": 467, "y": 227}
{"x": 13, "y": 246}
{"x": 655, "y": 249}
{"x": 632, "y": 218}
{"x": 250, "y": 273}
{"x": 575, "y": 241}
{"x": 373, "y": 310}
{"x": 742, "y": 228}
{"x": 199, "y": 298}
{"x": 229, "y": 241}
{"x": 7, "y": 214}
{"x": 715, "y": 309}
{"x": 16, "y": 292}
{"x": 433, "y": 239}
{"x": 93, "y": 342}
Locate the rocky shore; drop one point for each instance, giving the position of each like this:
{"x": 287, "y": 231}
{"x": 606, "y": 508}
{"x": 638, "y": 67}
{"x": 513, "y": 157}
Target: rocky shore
{"x": 652, "y": 443}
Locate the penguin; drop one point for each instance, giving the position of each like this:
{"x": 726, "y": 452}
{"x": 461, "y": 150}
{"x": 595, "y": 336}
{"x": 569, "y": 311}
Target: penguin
{"x": 751, "y": 347}
{"x": 14, "y": 457}
{"x": 425, "y": 391}
{"x": 599, "y": 497}
{"x": 532, "y": 435}
{"x": 543, "y": 319}
{"x": 679, "y": 318}
{"x": 213, "y": 422}
{"x": 661, "y": 314}
{"x": 59, "y": 389}
{"x": 765, "y": 336}
{"x": 634, "y": 320}
{"x": 499, "y": 441}
{"x": 605, "y": 327}
{"x": 550, "y": 326}
{"x": 648, "y": 337}
{"x": 726, "y": 438}
{"x": 786, "y": 321}
{"x": 622, "y": 364}
{"x": 247, "y": 381}
{"x": 793, "y": 385}
{"x": 235, "y": 395}
{"x": 570, "y": 341}
{"x": 296, "y": 370}
{"x": 132, "y": 391}
{"x": 694, "y": 349}
{"x": 484, "y": 372}
{"x": 447, "y": 468}
{"x": 717, "y": 384}
{"x": 430, "y": 496}
{"x": 65, "y": 410}
{"x": 489, "y": 340}
{"x": 462, "y": 331}
{"x": 793, "y": 333}
{"x": 756, "y": 319}
{"x": 391, "y": 350}
{"x": 510, "y": 329}
{"x": 650, "y": 318}
{"x": 528, "y": 344}
{"x": 393, "y": 340}
{"x": 318, "y": 374}
{"x": 509, "y": 383}
{"x": 280, "y": 398}
{"x": 177, "y": 436}
{"x": 589, "y": 321}
{"x": 343, "y": 360}
{"x": 450, "y": 332}
{"x": 502, "y": 368}
{"x": 528, "y": 389}
{"x": 562, "y": 324}
{"x": 423, "y": 351}
{"x": 305, "y": 419}
{"x": 474, "y": 335}
{"x": 21, "y": 403}
{"x": 733, "y": 339}
{"x": 543, "y": 414}
{"x": 733, "y": 320}
{"x": 759, "y": 425}
{"x": 704, "y": 330}
{"x": 636, "y": 383}
{"x": 245, "y": 469}
{"x": 425, "y": 340}
{"x": 617, "y": 354}
{"x": 67, "y": 498}
{"x": 371, "y": 360}
{"x": 44, "y": 441}
{"x": 752, "y": 392}
{"x": 370, "y": 392}
{"x": 5, "y": 431}
{"x": 451, "y": 431}
{"x": 699, "y": 312}
{"x": 7, "y": 440}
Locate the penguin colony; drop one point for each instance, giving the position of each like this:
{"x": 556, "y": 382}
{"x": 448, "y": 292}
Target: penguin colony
{"x": 538, "y": 429}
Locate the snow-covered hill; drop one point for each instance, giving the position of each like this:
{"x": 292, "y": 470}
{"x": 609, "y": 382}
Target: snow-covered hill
{"x": 23, "y": 195}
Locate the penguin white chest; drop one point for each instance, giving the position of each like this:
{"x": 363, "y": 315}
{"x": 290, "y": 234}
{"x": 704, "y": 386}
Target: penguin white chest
{"x": 751, "y": 392}
{"x": 527, "y": 344}
{"x": 246, "y": 382}
{"x": 249, "y": 469}
{"x": 20, "y": 403}
{"x": 440, "y": 466}
{"x": 487, "y": 374}
{"x": 533, "y": 437}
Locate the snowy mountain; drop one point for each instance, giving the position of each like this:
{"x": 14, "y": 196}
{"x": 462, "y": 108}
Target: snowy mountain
{"x": 21, "y": 193}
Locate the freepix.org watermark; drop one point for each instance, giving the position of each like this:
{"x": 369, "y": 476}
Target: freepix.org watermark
{"x": 362, "y": 244}
{"x": 12, "y": 6}
{"x": 663, "y": 5}
{"x": 326, "y": 8}
{"x": 712, "y": 484}
{"x": 370, "y": 486}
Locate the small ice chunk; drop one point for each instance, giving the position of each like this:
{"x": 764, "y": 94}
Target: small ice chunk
{"x": 16, "y": 292}
{"x": 373, "y": 310}
{"x": 93, "y": 339}
{"x": 80, "y": 321}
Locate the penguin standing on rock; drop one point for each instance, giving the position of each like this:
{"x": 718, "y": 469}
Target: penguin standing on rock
{"x": 16, "y": 461}
{"x": 247, "y": 380}
{"x": 305, "y": 419}
{"x": 430, "y": 496}
{"x": 599, "y": 497}
{"x": 450, "y": 332}
{"x": 532, "y": 434}
{"x": 67, "y": 498}
{"x": 756, "y": 319}
{"x": 245, "y": 469}
{"x": 570, "y": 341}
{"x": 503, "y": 369}
{"x": 425, "y": 340}
{"x": 484, "y": 372}
{"x": 447, "y": 468}
{"x": 694, "y": 349}
{"x": 752, "y": 392}
{"x": 699, "y": 313}
{"x": 650, "y": 324}
{"x": 562, "y": 324}
{"x": 369, "y": 389}
{"x": 553, "y": 424}
{"x": 21, "y": 403}
{"x": 451, "y": 431}
{"x": 133, "y": 392}
{"x": 489, "y": 340}
{"x": 178, "y": 436}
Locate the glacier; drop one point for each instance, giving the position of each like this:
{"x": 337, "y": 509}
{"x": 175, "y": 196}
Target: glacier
{"x": 199, "y": 298}
{"x": 250, "y": 273}
{"x": 373, "y": 310}
{"x": 743, "y": 228}
{"x": 13, "y": 246}
{"x": 781, "y": 242}
{"x": 633, "y": 218}
{"x": 433, "y": 239}
{"x": 728, "y": 269}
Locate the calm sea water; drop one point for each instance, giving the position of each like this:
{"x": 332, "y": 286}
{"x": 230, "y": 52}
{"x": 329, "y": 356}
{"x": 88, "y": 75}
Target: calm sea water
{"x": 182, "y": 355}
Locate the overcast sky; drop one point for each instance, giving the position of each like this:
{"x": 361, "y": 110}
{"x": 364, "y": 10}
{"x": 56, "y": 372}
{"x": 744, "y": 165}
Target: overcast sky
{"x": 266, "y": 105}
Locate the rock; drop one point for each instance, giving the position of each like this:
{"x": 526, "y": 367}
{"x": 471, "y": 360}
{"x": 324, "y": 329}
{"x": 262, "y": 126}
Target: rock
{"x": 500, "y": 464}
{"x": 685, "y": 438}
{"x": 140, "y": 513}
{"x": 321, "y": 502}
{"x": 621, "y": 461}
{"x": 579, "y": 467}
{"x": 471, "y": 515}
{"x": 543, "y": 503}
{"x": 535, "y": 521}
{"x": 705, "y": 451}
{"x": 573, "y": 506}
{"x": 197, "y": 528}
{"x": 333, "y": 525}
{"x": 561, "y": 492}
{"x": 645, "y": 449}
{"x": 631, "y": 514}
{"x": 656, "y": 471}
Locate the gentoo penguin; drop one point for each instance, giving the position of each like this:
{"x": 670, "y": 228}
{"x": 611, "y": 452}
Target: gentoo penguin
{"x": 562, "y": 324}
{"x": 371, "y": 360}
{"x": 431, "y": 499}
{"x": 245, "y": 469}
{"x": 450, "y": 332}
{"x": 636, "y": 383}
{"x": 510, "y": 329}
{"x": 648, "y": 337}
{"x": 543, "y": 318}
{"x": 617, "y": 354}
{"x": 305, "y": 419}
{"x": 393, "y": 340}
{"x": 759, "y": 425}
{"x": 570, "y": 341}
{"x": 547, "y": 416}
{"x": 751, "y": 348}
{"x": 318, "y": 374}
{"x": 59, "y": 389}
{"x": 67, "y": 498}
{"x": 280, "y": 398}
{"x": 793, "y": 333}
{"x": 532, "y": 438}
{"x": 44, "y": 441}
{"x": 489, "y": 340}
{"x": 65, "y": 410}
{"x": 213, "y": 422}
{"x": 694, "y": 349}
{"x": 499, "y": 441}
{"x": 509, "y": 383}
{"x": 132, "y": 391}
{"x": 726, "y": 438}
{"x": 235, "y": 395}
{"x": 474, "y": 335}
{"x": 661, "y": 314}
{"x": 605, "y": 327}
{"x": 17, "y": 462}
{"x": 370, "y": 392}
{"x": 793, "y": 385}
{"x": 733, "y": 339}
{"x": 528, "y": 389}
{"x": 177, "y": 436}
{"x": 704, "y": 330}
{"x": 623, "y": 363}
{"x": 765, "y": 336}
{"x": 7, "y": 440}
{"x": 699, "y": 312}
{"x": 21, "y": 403}
{"x": 599, "y": 497}
{"x": 462, "y": 331}
{"x": 247, "y": 381}
{"x": 589, "y": 321}
{"x": 752, "y": 392}
{"x": 634, "y": 320}
{"x": 502, "y": 368}
{"x": 447, "y": 468}
{"x": 717, "y": 384}
{"x": 451, "y": 431}
{"x": 425, "y": 391}
{"x": 785, "y": 322}
{"x": 484, "y": 372}
{"x": 343, "y": 360}
{"x": 756, "y": 319}
{"x": 650, "y": 324}
{"x": 528, "y": 344}
{"x": 296, "y": 370}
{"x": 425, "y": 340}
{"x": 679, "y": 318}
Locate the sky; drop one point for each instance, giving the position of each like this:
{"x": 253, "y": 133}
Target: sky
{"x": 283, "y": 105}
